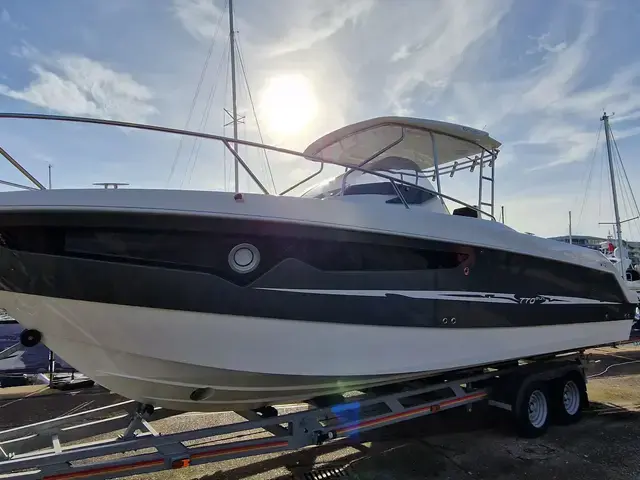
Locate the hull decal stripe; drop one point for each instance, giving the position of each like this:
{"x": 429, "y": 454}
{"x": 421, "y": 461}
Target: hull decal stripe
{"x": 453, "y": 295}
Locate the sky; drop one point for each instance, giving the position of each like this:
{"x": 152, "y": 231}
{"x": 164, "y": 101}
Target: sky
{"x": 537, "y": 75}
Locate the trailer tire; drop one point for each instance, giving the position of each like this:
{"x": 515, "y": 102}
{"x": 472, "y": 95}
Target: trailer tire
{"x": 531, "y": 412}
{"x": 568, "y": 398}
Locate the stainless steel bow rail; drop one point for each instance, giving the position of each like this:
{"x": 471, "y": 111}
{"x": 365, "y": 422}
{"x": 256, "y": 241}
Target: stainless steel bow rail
{"x": 40, "y": 450}
{"x": 484, "y": 161}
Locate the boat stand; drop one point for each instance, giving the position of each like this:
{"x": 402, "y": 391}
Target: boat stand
{"x": 53, "y": 458}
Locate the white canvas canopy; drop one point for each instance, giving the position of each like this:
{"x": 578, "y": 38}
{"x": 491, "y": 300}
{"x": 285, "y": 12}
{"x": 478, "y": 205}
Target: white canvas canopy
{"x": 410, "y": 138}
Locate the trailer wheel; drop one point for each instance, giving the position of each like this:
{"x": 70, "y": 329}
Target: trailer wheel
{"x": 568, "y": 399}
{"x": 532, "y": 410}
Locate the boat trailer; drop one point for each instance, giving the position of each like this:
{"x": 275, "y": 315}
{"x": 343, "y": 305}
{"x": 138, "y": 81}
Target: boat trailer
{"x": 42, "y": 451}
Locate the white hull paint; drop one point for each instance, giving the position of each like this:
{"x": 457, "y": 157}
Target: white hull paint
{"x": 162, "y": 356}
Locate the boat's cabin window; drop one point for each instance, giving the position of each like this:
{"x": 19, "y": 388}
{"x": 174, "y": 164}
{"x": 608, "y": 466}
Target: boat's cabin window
{"x": 412, "y": 195}
{"x": 364, "y": 183}
{"x": 319, "y": 193}
{"x": 329, "y": 187}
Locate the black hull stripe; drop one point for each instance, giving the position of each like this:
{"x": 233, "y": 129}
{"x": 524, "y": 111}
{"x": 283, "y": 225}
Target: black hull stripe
{"x": 299, "y": 256}
{"x": 177, "y": 262}
{"x": 152, "y": 287}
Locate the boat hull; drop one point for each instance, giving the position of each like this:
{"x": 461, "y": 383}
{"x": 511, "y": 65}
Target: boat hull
{"x": 205, "y": 362}
{"x": 146, "y": 293}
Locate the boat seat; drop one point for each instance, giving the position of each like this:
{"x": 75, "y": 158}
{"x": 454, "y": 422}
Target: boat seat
{"x": 466, "y": 212}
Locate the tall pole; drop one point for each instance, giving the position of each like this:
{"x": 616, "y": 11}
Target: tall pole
{"x": 234, "y": 106}
{"x": 52, "y": 356}
{"x": 570, "y": 236}
{"x": 607, "y": 133}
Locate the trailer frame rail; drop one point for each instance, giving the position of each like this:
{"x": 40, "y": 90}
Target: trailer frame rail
{"x": 289, "y": 431}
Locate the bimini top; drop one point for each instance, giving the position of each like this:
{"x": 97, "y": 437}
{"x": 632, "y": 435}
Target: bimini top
{"x": 354, "y": 144}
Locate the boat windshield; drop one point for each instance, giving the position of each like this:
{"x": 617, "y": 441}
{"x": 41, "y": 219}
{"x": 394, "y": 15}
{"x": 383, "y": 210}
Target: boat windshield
{"x": 401, "y": 168}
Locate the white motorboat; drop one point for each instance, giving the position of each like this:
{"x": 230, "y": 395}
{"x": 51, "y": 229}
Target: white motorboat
{"x": 622, "y": 262}
{"x": 208, "y": 301}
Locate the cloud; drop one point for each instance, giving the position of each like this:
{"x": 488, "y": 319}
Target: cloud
{"x": 317, "y": 21}
{"x": 400, "y": 54}
{"x": 535, "y": 96}
{"x": 557, "y": 87}
{"x": 566, "y": 119}
{"x": 429, "y": 56}
{"x": 27, "y": 51}
{"x": 306, "y": 23}
{"x": 5, "y": 18}
{"x": 198, "y": 17}
{"x": 541, "y": 99}
{"x": 544, "y": 46}
{"x": 76, "y": 85}
{"x": 621, "y": 93}
{"x": 567, "y": 142}
{"x": 544, "y": 112}
{"x": 560, "y": 73}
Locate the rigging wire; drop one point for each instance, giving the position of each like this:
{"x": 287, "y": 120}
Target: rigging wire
{"x": 623, "y": 191}
{"x": 615, "y": 144}
{"x": 224, "y": 130}
{"x": 602, "y": 162}
{"x": 628, "y": 216}
{"x": 224, "y": 152}
{"x": 592, "y": 162}
{"x": 197, "y": 143}
{"x": 245, "y": 153}
{"x": 633, "y": 201}
{"x": 253, "y": 109}
{"x": 197, "y": 93}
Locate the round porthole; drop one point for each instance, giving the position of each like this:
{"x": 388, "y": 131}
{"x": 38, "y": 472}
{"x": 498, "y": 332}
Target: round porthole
{"x": 244, "y": 258}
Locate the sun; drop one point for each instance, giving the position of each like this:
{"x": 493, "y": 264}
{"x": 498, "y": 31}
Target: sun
{"x": 288, "y": 103}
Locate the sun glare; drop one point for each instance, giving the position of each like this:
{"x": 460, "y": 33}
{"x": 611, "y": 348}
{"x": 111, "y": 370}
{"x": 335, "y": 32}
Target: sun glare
{"x": 288, "y": 103}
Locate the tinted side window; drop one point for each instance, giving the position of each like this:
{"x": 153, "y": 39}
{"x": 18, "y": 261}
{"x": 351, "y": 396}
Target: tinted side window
{"x": 209, "y": 251}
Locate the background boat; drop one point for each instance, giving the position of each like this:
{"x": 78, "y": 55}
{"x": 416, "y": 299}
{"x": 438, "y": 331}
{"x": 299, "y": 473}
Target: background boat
{"x": 30, "y": 360}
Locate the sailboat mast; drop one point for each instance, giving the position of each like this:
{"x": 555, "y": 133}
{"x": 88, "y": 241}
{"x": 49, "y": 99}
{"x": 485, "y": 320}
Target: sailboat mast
{"x": 234, "y": 105}
{"x": 607, "y": 133}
